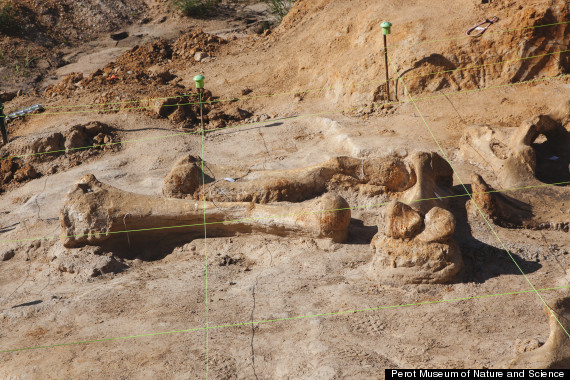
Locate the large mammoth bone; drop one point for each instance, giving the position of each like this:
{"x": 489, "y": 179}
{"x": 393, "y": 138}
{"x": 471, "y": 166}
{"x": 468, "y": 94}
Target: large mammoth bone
{"x": 293, "y": 185}
{"x": 413, "y": 249}
{"x": 530, "y": 209}
{"x": 500, "y": 208}
{"x": 421, "y": 176}
{"x": 555, "y": 352}
{"x": 535, "y": 151}
{"x": 434, "y": 182}
{"x": 93, "y": 213}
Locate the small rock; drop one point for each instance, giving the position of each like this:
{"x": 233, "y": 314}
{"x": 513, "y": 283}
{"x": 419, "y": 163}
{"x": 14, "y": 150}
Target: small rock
{"x": 7, "y": 254}
{"x": 200, "y": 56}
{"x": 244, "y": 114}
{"x": 215, "y": 114}
{"x": 76, "y": 139}
{"x": 8, "y": 166}
{"x": 25, "y": 173}
{"x": 178, "y": 116}
{"x": 216, "y": 124}
{"x": 259, "y": 28}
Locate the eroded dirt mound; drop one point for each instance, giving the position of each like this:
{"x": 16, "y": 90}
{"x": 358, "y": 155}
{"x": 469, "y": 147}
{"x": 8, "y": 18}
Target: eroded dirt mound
{"x": 422, "y": 53}
{"x": 33, "y": 45}
{"x": 69, "y": 20}
{"x": 147, "y": 64}
{"x": 48, "y": 153}
{"x": 486, "y": 61}
{"x": 149, "y": 69}
{"x": 196, "y": 44}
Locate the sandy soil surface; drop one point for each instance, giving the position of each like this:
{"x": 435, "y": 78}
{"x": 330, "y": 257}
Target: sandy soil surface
{"x": 260, "y": 305}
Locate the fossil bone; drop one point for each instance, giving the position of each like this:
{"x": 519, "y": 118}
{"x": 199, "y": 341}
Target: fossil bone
{"x": 94, "y": 213}
{"x": 293, "y": 185}
{"x": 500, "y": 208}
{"x": 555, "y": 352}
{"x": 434, "y": 181}
{"x": 514, "y": 154}
{"x": 530, "y": 209}
{"x": 411, "y": 249}
{"x": 423, "y": 175}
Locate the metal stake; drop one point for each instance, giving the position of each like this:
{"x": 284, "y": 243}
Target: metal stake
{"x": 3, "y": 124}
{"x": 385, "y": 31}
{"x": 386, "y": 63}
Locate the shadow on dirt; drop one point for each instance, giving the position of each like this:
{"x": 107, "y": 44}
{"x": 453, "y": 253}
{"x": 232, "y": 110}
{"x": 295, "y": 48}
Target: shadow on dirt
{"x": 359, "y": 234}
{"x": 553, "y": 161}
{"x": 433, "y": 60}
{"x": 32, "y": 303}
{"x": 481, "y": 260}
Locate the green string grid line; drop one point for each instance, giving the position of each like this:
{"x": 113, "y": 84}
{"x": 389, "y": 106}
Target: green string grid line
{"x": 289, "y": 118}
{"x": 281, "y": 216}
{"x": 284, "y": 93}
{"x": 205, "y": 240}
{"x": 475, "y": 203}
{"x": 336, "y": 313}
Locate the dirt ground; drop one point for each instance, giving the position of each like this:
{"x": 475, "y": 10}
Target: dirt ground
{"x": 261, "y": 306}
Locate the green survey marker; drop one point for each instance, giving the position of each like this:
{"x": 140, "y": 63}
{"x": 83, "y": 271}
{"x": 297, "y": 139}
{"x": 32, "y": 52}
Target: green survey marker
{"x": 386, "y": 25}
{"x": 199, "y": 79}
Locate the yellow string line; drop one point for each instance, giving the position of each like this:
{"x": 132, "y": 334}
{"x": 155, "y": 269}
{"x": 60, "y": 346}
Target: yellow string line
{"x": 286, "y": 118}
{"x": 276, "y": 216}
{"x": 475, "y": 203}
